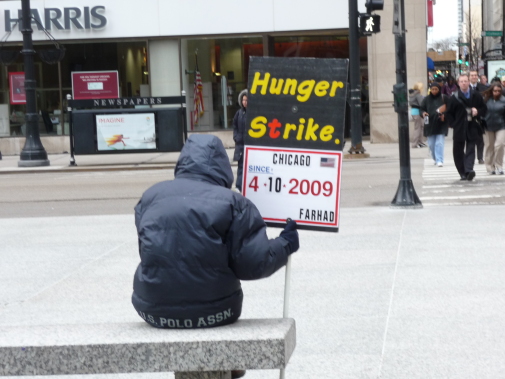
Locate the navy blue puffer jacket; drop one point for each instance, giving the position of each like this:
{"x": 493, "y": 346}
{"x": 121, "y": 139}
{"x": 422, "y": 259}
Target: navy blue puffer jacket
{"x": 197, "y": 239}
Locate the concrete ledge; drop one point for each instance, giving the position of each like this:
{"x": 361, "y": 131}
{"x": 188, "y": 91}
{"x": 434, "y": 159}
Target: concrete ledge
{"x": 137, "y": 347}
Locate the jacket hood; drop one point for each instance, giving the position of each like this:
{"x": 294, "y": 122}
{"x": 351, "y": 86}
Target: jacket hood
{"x": 413, "y": 94}
{"x": 204, "y": 157}
{"x": 240, "y": 96}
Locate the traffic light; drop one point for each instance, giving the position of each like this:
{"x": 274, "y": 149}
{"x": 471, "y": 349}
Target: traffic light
{"x": 374, "y": 5}
{"x": 467, "y": 58}
{"x": 369, "y": 24}
{"x": 460, "y": 60}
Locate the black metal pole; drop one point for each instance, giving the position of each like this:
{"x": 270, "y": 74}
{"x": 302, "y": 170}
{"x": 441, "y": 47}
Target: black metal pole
{"x": 33, "y": 153}
{"x": 470, "y": 37}
{"x": 355, "y": 83}
{"x": 183, "y": 110}
{"x": 502, "y": 39}
{"x": 406, "y": 196}
{"x": 70, "y": 131}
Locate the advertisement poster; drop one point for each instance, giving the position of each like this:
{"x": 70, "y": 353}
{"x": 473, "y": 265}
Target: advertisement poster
{"x": 17, "y": 87}
{"x": 294, "y": 139}
{"x": 125, "y": 131}
{"x": 303, "y": 185}
{"x": 88, "y": 85}
{"x": 495, "y": 68}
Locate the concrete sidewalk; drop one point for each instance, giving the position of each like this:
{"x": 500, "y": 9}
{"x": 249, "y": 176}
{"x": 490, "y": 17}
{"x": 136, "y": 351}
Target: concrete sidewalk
{"x": 151, "y": 161}
{"x": 395, "y": 294}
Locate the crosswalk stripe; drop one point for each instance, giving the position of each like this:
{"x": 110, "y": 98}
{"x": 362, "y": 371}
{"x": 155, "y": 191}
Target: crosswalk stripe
{"x": 442, "y": 186}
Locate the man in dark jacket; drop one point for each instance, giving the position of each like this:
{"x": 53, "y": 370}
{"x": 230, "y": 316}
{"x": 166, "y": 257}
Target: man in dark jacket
{"x": 198, "y": 239}
{"x": 238, "y": 136}
{"x": 463, "y": 110}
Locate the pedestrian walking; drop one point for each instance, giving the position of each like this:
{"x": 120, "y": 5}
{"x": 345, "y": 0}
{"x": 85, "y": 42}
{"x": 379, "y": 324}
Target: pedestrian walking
{"x": 476, "y": 86}
{"x": 449, "y": 87}
{"x": 238, "y": 136}
{"x": 483, "y": 81}
{"x": 494, "y": 138}
{"x": 461, "y": 114}
{"x": 415, "y": 100}
{"x": 433, "y": 106}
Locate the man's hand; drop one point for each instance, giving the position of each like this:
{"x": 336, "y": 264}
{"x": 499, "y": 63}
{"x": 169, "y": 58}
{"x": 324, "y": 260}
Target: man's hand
{"x": 475, "y": 112}
{"x": 291, "y": 235}
{"x": 425, "y": 114}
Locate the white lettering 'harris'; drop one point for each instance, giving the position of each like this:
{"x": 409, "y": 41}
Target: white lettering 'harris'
{"x": 83, "y": 18}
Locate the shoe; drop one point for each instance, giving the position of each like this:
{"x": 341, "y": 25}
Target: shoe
{"x": 422, "y": 144}
{"x": 500, "y": 172}
{"x": 463, "y": 177}
{"x": 492, "y": 173}
{"x": 440, "y": 164}
{"x": 470, "y": 176}
{"x": 416, "y": 147}
{"x": 235, "y": 374}
{"x": 481, "y": 161}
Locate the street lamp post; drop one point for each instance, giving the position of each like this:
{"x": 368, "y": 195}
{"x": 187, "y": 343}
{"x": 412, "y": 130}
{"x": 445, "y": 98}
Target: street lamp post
{"x": 405, "y": 196}
{"x": 354, "y": 81}
{"x": 33, "y": 153}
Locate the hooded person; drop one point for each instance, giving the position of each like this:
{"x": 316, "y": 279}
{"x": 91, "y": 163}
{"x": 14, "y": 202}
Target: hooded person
{"x": 450, "y": 86}
{"x": 238, "y": 136}
{"x": 197, "y": 240}
{"x": 433, "y": 106}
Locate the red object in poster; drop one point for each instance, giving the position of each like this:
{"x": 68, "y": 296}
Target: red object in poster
{"x": 430, "y": 13}
{"x": 88, "y": 85}
{"x": 17, "y": 87}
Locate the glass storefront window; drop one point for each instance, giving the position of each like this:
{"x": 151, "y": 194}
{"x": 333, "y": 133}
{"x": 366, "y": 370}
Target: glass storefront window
{"x": 224, "y": 63}
{"x": 54, "y": 81}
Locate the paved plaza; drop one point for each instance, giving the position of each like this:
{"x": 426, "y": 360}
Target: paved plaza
{"x": 397, "y": 293}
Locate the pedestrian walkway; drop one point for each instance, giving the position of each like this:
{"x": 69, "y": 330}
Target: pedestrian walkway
{"x": 442, "y": 186}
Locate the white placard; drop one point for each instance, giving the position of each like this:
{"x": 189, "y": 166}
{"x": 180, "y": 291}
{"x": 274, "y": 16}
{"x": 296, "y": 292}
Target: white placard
{"x": 95, "y": 86}
{"x": 495, "y": 69}
{"x": 300, "y": 184}
{"x": 125, "y": 131}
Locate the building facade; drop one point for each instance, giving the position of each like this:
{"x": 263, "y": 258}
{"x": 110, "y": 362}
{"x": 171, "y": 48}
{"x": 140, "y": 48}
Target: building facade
{"x": 156, "y": 45}
{"x": 492, "y": 19}
{"x": 381, "y": 67}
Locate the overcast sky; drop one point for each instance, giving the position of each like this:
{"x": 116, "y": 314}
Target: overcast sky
{"x": 445, "y": 20}
{"x": 445, "y": 14}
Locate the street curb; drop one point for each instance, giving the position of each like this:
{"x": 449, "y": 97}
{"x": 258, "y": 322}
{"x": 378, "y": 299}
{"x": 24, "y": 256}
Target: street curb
{"x": 74, "y": 169}
{"x": 87, "y": 169}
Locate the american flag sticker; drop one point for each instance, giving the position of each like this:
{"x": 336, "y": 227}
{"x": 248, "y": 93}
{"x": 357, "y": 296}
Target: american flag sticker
{"x": 327, "y": 162}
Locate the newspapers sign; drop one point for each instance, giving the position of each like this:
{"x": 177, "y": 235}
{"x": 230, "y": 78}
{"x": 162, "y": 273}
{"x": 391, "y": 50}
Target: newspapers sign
{"x": 294, "y": 139}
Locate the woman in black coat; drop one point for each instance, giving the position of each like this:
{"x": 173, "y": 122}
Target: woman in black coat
{"x": 238, "y": 136}
{"x": 433, "y": 106}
